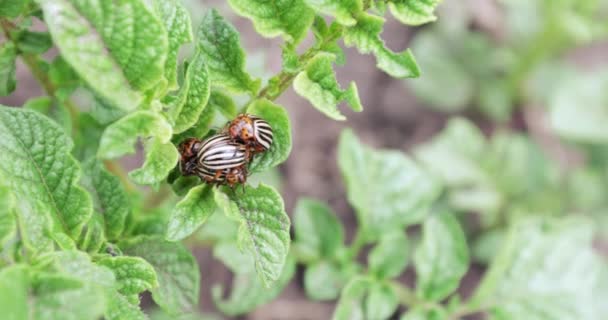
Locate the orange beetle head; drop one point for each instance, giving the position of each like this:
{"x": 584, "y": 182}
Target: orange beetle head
{"x": 188, "y": 150}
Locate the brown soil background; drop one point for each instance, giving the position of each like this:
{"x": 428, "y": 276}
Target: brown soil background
{"x": 392, "y": 118}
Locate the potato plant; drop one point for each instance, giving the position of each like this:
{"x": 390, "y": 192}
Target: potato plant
{"x": 82, "y": 237}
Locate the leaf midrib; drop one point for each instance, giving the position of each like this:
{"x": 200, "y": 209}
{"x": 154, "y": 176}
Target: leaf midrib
{"x": 39, "y": 171}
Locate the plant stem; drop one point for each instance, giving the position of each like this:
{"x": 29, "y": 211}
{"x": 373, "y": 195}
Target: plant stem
{"x": 282, "y": 80}
{"x": 358, "y": 243}
{"x": 120, "y": 172}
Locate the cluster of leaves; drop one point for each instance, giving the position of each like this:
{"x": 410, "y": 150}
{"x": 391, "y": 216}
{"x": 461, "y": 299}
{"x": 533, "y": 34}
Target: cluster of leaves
{"x": 79, "y": 238}
{"x": 538, "y": 259}
{"x": 490, "y": 63}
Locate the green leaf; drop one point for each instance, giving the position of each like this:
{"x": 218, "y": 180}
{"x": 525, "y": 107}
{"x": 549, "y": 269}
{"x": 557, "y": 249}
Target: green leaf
{"x": 191, "y": 212}
{"x": 459, "y": 166}
{"x": 223, "y": 103}
{"x": 442, "y": 68}
{"x": 290, "y": 19}
{"x": 350, "y": 305}
{"x": 78, "y": 265}
{"x": 7, "y": 214}
{"x": 14, "y": 287}
{"x": 8, "y": 57}
{"x": 264, "y": 227}
{"x": 53, "y": 109}
{"x": 381, "y": 302}
{"x": 63, "y": 241}
{"x": 179, "y": 31}
{"x": 117, "y": 48}
{"x": 546, "y": 269}
{"x": 92, "y": 237}
{"x": 176, "y": 269}
{"x": 13, "y": 8}
{"x": 414, "y": 12}
{"x": 161, "y": 158}
{"x": 119, "y": 307}
{"x": 281, "y": 127}
{"x": 565, "y": 105}
{"x": 248, "y": 290}
{"x": 63, "y": 297}
{"x": 389, "y": 257}
{"x": 198, "y": 94}
{"x": 34, "y": 42}
{"x": 133, "y": 274}
{"x": 109, "y": 197}
{"x": 385, "y": 187}
{"x": 420, "y": 313}
{"x": 36, "y": 163}
{"x": 343, "y": 10}
{"x": 365, "y": 35}
{"x": 118, "y": 139}
{"x": 319, "y": 85}
{"x": 323, "y": 280}
{"x": 219, "y": 42}
{"x": 441, "y": 258}
{"x": 318, "y": 231}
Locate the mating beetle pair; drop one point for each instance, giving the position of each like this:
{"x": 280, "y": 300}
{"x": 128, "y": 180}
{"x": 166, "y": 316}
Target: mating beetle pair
{"x": 223, "y": 157}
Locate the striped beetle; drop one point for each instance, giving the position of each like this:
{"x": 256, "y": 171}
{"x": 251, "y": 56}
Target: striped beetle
{"x": 251, "y": 130}
{"x": 217, "y": 159}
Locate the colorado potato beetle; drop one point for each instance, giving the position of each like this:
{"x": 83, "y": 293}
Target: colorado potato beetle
{"x": 217, "y": 159}
{"x": 252, "y": 131}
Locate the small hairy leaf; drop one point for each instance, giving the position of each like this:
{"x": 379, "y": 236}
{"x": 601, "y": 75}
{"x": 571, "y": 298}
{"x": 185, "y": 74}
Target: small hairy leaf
{"x": 389, "y": 257}
{"x": 248, "y": 291}
{"x": 119, "y": 307}
{"x": 546, "y": 269}
{"x": 343, "y": 10}
{"x": 35, "y": 162}
{"x": 179, "y": 31}
{"x": 109, "y": 197}
{"x": 191, "y": 212}
{"x": 160, "y": 160}
{"x": 117, "y": 48}
{"x": 318, "y": 231}
{"x": 415, "y": 12}
{"x": 7, "y": 213}
{"x": 289, "y": 18}
{"x": 118, "y": 139}
{"x": 133, "y": 274}
{"x": 350, "y": 305}
{"x": 365, "y": 35}
{"x": 385, "y": 187}
{"x": 281, "y": 127}
{"x": 197, "y": 78}
{"x": 176, "y": 269}
{"x": 318, "y": 84}
{"x": 219, "y": 43}
{"x": 442, "y": 257}
{"x": 264, "y": 227}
